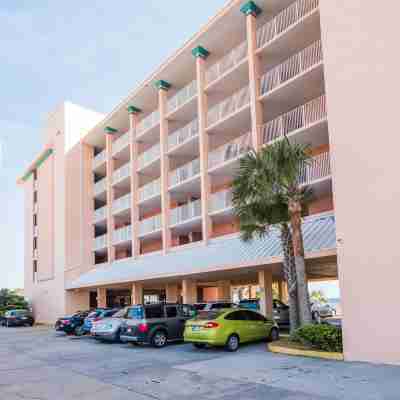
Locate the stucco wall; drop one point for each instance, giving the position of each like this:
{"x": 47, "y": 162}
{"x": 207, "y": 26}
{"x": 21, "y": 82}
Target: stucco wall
{"x": 362, "y": 63}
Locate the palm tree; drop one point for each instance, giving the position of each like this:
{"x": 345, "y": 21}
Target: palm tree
{"x": 257, "y": 213}
{"x": 271, "y": 180}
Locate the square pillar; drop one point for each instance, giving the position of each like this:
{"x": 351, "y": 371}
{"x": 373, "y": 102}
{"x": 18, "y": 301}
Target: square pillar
{"x": 265, "y": 284}
{"x": 189, "y": 291}
{"x": 137, "y": 293}
{"x": 224, "y": 291}
{"x": 171, "y": 291}
{"x": 110, "y": 198}
{"x": 101, "y": 297}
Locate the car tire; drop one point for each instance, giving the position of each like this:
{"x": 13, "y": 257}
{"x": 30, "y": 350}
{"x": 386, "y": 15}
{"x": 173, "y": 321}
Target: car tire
{"x": 78, "y": 331}
{"x": 199, "y": 345}
{"x": 117, "y": 336}
{"x": 159, "y": 339}
{"x": 273, "y": 335}
{"x": 232, "y": 344}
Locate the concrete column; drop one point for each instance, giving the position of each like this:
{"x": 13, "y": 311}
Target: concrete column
{"x": 189, "y": 291}
{"x": 265, "y": 284}
{"x": 137, "y": 293}
{"x": 201, "y": 54}
{"x": 133, "y": 122}
{"x": 110, "y": 198}
{"x": 283, "y": 291}
{"x": 101, "y": 297}
{"x": 171, "y": 291}
{"x": 165, "y": 197}
{"x": 252, "y": 11}
{"x": 224, "y": 290}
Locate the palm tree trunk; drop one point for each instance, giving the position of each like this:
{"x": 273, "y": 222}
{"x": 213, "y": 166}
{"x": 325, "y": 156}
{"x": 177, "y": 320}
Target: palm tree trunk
{"x": 289, "y": 273}
{"x": 298, "y": 251}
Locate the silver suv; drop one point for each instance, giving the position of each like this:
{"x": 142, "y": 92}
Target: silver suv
{"x": 109, "y": 328}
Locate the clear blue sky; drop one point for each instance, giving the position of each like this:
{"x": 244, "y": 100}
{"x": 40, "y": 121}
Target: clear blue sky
{"x": 80, "y": 51}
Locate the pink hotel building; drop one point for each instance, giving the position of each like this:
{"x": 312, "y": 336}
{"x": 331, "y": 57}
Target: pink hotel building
{"x": 137, "y": 204}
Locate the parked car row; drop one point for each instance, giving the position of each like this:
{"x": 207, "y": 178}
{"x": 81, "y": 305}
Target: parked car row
{"x": 17, "y": 318}
{"x": 216, "y": 324}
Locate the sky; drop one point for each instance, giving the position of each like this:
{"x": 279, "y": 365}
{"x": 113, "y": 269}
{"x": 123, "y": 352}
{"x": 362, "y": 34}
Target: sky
{"x": 84, "y": 52}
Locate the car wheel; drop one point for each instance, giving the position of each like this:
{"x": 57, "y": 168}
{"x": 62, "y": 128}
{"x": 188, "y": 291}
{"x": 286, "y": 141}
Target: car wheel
{"x": 7, "y": 323}
{"x": 316, "y": 317}
{"x": 274, "y": 335}
{"x": 78, "y": 331}
{"x": 232, "y": 344}
{"x": 159, "y": 339}
{"x": 199, "y": 345}
{"x": 117, "y": 336}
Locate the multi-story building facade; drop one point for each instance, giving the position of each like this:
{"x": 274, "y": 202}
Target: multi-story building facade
{"x": 137, "y": 204}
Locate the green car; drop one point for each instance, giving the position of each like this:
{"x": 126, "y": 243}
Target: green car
{"x": 229, "y": 328}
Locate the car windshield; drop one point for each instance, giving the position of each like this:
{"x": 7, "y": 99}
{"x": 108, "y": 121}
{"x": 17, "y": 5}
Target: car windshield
{"x": 21, "y": 312}
{"x": 120, "y": 313}
{"x": 208, "y": 315}
{"x": 135, "y": 313}
{"x": 94, "y": 314}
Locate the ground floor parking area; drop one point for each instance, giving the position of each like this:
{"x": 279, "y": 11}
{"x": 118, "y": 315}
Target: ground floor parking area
{"x": 37, "y": 363}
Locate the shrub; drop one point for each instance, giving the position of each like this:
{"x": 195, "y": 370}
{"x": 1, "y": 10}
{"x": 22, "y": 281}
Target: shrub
{"x": 322, "y": 337}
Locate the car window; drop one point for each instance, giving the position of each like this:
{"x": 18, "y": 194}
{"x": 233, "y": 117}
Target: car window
{"x": 108, "y": 313}
{"x": 120, "y": 313}
{"x": 135, "y": 313}
{"x": 94, "y": 314}
{"x": 208, "y": 315}
{"x": 155, "y": 311}
{"x": 171, "y": 311}
{"x": 188, "y": 311}
{"x": 253, "y": 316}
{"x": 237, "y": 316}
{"x": 217, "y": 306}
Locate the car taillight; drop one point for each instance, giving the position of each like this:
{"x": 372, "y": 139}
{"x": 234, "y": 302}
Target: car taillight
{"x": 96, "y": 319}
{"x": 143, "y": 328}
{"x": 211, "y": 325}
{"x": 65, "y": 321}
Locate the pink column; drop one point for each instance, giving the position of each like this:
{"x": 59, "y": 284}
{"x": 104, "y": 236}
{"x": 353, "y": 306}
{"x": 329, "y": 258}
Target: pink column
{"x": 110, "y": 198}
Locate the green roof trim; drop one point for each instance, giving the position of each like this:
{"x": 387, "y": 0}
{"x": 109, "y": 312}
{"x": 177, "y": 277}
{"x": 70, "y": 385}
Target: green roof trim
{"x": 201, "y": 52}
{"x": 162, "y": 85}
{"x": 38, "y": 163}
{"x": 251, "y": 8}
{"x": 134, "y": 110}
{"x": 110, "y": 130}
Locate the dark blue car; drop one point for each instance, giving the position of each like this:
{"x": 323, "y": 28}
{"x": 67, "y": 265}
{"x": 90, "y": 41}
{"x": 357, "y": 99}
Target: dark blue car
{"x": 71, "y": 324}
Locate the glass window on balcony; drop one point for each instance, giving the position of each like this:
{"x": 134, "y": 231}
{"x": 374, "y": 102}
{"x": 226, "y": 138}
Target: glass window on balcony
{"x": 184, "y": 173}
{"x": 186, "y": 212}
{"x": 148, "y": 122}
{"x": 150, "y": 190}
{"x": 221, "y": 200}
{"x": 182, "y": 135}
{"x": 149, "y": 225}
{"x": 182, "y": 96}
{"x": 122, "y": 173}
{"x": 149, "y": 156}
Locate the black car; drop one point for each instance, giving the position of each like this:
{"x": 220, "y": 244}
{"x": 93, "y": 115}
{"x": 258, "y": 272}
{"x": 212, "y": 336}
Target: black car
{"x": 18, "y": 318}
{"x": 72, "y": 323}
{"x": 155, "y": 324}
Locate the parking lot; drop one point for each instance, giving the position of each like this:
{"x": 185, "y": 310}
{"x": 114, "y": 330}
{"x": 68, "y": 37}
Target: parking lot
{"x": 37, "y": 363}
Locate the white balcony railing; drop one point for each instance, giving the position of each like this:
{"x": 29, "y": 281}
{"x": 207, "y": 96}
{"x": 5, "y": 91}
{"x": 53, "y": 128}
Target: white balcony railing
{"x": 100, "y": 214}
{"x": 150, "y": 225}
{"x": 100, "y": 243}
{"x": 149, "y": 122}
{"x": 122, "y": 235}
{"x": 318, "y": 168}
{"x": 120, "y": 143}
{"x": 292, "y": 67}
{"x": 122, "y": 204}
{"x": 186, "y": 212}
{"x": 221, "y": 200}
{"x": 230, "y": 151}
{"x": 149, "y": 156}
{"x": 284, "y": 20}
{"x": 100, "y": 186}
{"x": 229, "y": 106}
{"x": 183, "y": 96}
{"x": 35, "y": 254}
{"x": 226, "y": 63}
{"x": 182, "y": 135}
{"x": 150, "y": 190}
{"x": 184, "y": 172}
{"x": 35, "y": 230}
{"x": 299, "y": 118}
{"x": 99, "y": 159}
{"x": 122, "y": 173}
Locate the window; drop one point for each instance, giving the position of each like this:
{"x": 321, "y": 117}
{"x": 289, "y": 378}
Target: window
{"x": 171, "y": 312}
{"x": 156, "y": 311}
{"x": 216, "y": 306}
{"x": 252, "y": 316}
{"x": 237, "y": 316}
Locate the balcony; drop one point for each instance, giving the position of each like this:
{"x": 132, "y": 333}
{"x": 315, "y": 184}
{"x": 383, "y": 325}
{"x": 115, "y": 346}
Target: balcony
{"x": 100, "y": 215}
{"x": 221, "y": 201}
{"x": 100, "y": 187}
{"x": 35, "y": 230}
{"x": 122, "y": 173}
{"x": 120, "y": 144}
{"x": 99, "y": 159}
{"x": 122, "y": 235}
{"x": 284, "y": 21}
{"x": 307, "y": 122}
{"x": 227, "y": 64}
{"x": 122, "y": 204}
{"x": 150, "y": 227}
{"x": 232, "y": 105}
{"x": 148, "y": 157}
{"x": 149, "y": 191}
{"x": 181, "y": 98}
{"x": 316, "y": 170}
{"x": 185, "y": 173}
{"x": 187, "y": 213}
{"x": 148, "y": 123}
{"x": 183, "y": 136}
{"x": 100, "y": 243}
{"x": 35, "y": 254}
{"x": 229, "y": 154}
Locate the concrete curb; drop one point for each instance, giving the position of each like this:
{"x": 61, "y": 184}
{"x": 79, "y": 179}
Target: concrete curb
{"x": 276, "y": 348}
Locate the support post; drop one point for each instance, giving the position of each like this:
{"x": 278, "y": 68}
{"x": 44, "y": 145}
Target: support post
{"x": 189, "y": 291}
{"x": 265, "y": 284}
{"x": 110, "y": 198}
{"x": 137, "y": 293}
{"x": 101, "y": 297}
{"x": 171, "y": 291}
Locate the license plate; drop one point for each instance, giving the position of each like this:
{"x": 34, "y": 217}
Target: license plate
{"x": 196, "y": 328}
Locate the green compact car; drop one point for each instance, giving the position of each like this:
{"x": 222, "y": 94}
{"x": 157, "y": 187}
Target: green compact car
{"x": 229, "y": 328}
